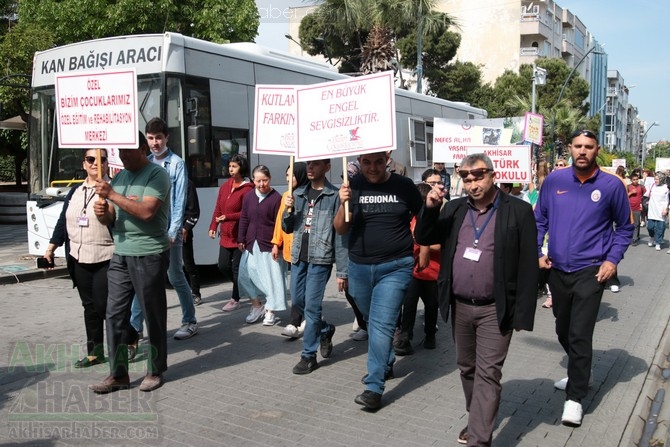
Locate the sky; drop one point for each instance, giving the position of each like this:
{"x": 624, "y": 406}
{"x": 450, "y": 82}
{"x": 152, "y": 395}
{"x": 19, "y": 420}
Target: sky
{"x": 636, "y": 42}
{"x": 634, "y": 34}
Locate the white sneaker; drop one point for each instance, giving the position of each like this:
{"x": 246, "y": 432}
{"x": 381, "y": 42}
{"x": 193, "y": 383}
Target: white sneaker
{"x": 355, "y": 327}
{"x": 642, "y": 224}
{"x": 289, "y": 331}
{"x": 186, "y": 331}
{"x": 658, "y": 247}
{"x": 270, "y": 318}
{"x": 361, "y": 335}
{"x": 614, "y": 288}
{"x": 301, "y": 328}
{"x": 255, "y": 314}
{"x": 563, "y": 383}
{"x": 650, "y": 243}
{"x": 572, "y": 413}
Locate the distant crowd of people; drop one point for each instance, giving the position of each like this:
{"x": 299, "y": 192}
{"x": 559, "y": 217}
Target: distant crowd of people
{"x": 470, "y": 249}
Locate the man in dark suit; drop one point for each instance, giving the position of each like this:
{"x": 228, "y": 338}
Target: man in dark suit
{"x": 488, "y": 279}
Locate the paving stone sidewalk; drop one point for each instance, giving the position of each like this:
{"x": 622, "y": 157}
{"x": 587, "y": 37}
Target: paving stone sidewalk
{"x": 232, "y": 384}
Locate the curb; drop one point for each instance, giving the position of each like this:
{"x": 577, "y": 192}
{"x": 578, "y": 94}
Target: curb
{"x": 31, "y": 275}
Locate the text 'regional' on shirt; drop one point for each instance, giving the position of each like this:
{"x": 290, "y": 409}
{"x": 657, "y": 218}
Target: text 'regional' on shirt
{"x": 382, "y": 212}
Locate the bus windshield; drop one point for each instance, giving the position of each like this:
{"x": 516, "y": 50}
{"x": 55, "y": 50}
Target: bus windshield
{"x": 51, "y": 163}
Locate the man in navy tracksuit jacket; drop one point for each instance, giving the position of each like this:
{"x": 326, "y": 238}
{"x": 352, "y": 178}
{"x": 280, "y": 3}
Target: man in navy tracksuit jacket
{"x": 587, "y": 215}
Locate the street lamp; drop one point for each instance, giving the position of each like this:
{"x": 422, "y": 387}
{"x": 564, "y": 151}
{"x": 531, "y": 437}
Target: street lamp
{"x": 644, "y": 144}
{"x": 289, "y": 37}
{"x": 560, "y": 95}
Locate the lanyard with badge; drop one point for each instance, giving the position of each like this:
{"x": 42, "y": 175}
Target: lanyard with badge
{"x": 82, "y": 220}
{"x": 473, "y": 253}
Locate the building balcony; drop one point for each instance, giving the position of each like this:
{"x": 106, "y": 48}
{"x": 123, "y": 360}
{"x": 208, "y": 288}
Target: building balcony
{"x": 530, "y": 51}
{"x": 536, "y": 28}
{"x": 567, "y": 48}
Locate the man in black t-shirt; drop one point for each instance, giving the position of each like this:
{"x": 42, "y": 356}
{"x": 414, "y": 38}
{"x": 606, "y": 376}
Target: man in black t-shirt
{"x": 380, "y": 259}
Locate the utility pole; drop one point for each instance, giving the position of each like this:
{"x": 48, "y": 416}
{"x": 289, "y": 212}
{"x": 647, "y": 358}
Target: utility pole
{"x": 644, "y": 145}
{"x": 539, "y": 78}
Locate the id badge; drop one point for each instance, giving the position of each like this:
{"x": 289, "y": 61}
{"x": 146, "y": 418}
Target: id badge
{"x": 82, "y": 221}
{"x": 472, "y": 254}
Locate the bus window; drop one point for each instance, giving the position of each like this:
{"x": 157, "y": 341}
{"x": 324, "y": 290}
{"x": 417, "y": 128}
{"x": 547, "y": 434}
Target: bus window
{"x": 197, "y": 125}
{"x": 228, "y": 142}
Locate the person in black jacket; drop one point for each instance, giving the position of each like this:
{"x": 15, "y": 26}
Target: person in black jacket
{"x": 488, "y": 280}
{"x": 191, "y": 215}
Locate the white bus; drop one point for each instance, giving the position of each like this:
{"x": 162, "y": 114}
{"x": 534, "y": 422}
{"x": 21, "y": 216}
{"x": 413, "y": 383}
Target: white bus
{"x": 205, "y": 92}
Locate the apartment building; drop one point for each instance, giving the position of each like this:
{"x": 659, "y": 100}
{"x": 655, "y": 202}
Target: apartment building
{"x": 622, "y": 125}
{"x": 503, "y": 35}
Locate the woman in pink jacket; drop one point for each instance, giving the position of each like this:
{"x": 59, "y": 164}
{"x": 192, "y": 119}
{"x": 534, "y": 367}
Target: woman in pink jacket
{"x": 226, "y": 217}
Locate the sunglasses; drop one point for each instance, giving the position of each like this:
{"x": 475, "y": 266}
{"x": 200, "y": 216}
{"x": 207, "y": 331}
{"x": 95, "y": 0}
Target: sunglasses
{"x": 478, "y": 173}
{"x": 91, "y": 160}
{"x": 586, "y": 133}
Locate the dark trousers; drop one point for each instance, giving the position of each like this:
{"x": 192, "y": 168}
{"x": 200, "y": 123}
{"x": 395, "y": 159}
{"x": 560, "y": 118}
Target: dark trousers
{"x": 229, "y": 265}
{"x": 145, "y": 277}
{"x": 91, "y": 280}
{"x": 427, "y": 291}
{"x": 637, "y": 215}
{"x": 576, "y": 300}
{"x": 191, "y": 269}
{"x": 360, "y": 319}
{"x": 481, "y": 349}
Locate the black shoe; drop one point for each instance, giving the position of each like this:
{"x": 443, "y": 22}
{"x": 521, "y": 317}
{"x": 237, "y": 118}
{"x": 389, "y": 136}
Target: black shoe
{"x": 197, "y": 299}
{"x": 87, "y": 362}
{"x": 370, "y": 400}
{"x": 403, "y": 346}
{"x": 429, "y": 342}
{"x": 463, "y": 436}
{"x": 305, "y": 365}
{"x": 327, "y": 342}
{"x": 132, "y": 352}
{"x": 388, "y": 375}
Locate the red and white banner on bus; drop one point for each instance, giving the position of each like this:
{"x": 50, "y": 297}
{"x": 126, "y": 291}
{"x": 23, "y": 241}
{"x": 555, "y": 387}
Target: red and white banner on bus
{"x": 97, "y": 109}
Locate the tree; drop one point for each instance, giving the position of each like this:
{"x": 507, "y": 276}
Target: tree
{"x": 16, "y": 49}
{"x": 45, "y": 23}
{"x": 459, "y": 81}
{"x": 78, "y": 20}
{"x": 363, "y": 34}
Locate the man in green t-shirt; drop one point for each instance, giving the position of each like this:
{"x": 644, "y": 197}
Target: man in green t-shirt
{"x": 141, "y": 198}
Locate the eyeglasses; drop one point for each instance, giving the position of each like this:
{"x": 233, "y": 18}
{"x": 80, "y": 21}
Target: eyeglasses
{"x": 91, "y": 160}
{"x": 435, "y": 183}
{"x": 478, "y": 173}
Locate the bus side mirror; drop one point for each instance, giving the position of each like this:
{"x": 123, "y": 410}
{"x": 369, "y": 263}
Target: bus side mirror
{"x": 196, "y": 139}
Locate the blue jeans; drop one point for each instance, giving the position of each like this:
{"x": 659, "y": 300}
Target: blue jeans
{"x": 656, "y": 229}
{"x": 379, "y": 291}
{"x": 178, "y": 280}
{"x": 308, "y": 284}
